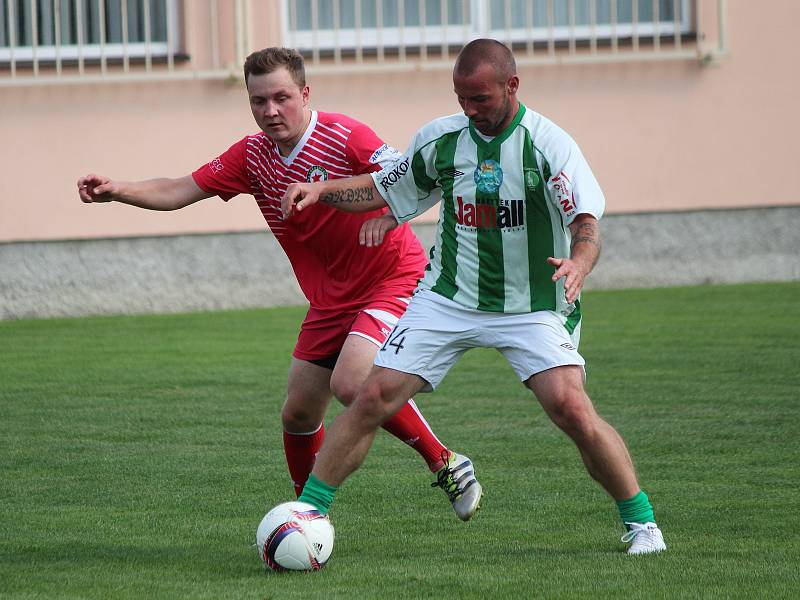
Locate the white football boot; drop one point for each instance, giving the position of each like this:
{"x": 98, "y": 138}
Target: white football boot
{"x": 645, "y": 538}
{"x": 457, "y": 479}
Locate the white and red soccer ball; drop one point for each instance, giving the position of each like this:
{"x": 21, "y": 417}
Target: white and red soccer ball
{"x": 295, "y": 536}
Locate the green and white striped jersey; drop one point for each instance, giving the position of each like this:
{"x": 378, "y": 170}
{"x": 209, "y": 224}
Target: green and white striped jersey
{"x": 506, "y": 206}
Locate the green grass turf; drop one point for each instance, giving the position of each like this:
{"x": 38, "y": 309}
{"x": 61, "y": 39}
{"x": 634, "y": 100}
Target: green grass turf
{"x": 140, "y": 453}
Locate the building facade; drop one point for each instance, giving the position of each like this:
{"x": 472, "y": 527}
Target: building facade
{"x": 678, "y": 105}
{"x": 697, "y": 110}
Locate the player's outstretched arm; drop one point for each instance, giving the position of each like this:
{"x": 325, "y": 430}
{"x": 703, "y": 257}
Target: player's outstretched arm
{"x": 153, "y": 194}
{"x": 585, "y": 251}
{"x": 355, "y": 194}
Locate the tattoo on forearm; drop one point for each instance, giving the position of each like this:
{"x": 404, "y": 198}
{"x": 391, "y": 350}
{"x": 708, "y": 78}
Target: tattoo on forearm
{"x": 354, "y": 196}
{"x": 588, "y": 233}
{"x": 587, "y": 239}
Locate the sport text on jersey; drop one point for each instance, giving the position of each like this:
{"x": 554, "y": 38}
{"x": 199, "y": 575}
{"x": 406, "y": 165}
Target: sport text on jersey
{"x": 386, "y": 149}
{"x": 508, "y": 215}
{"x": 562, "y": 187}
{"x": 393, "y": 176}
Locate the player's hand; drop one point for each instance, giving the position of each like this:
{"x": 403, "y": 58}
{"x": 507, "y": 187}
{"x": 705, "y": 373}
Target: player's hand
{"x": 573, "y": 272}
{"x": 96, "y": 188}
{"x": 373, "y": 231}
{"x": 298, "y": 196}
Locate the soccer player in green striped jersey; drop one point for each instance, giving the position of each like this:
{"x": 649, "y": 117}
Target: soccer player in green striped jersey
{"x": 517, "y": 235}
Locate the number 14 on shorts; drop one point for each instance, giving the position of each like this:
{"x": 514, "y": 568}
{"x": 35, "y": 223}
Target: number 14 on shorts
{"x": 395, "y": 340}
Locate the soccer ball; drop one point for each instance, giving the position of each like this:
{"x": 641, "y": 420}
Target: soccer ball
{"x": 295, "y": 536}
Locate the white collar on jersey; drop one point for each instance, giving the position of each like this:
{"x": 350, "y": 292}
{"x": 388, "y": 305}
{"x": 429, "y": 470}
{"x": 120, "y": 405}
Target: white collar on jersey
{"x": 287, "y": 160}
{"x": 485, "y": 138}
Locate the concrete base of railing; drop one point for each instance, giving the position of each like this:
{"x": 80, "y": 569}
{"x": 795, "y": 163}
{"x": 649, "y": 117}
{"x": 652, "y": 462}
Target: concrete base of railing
{"x": 246, "y": 270}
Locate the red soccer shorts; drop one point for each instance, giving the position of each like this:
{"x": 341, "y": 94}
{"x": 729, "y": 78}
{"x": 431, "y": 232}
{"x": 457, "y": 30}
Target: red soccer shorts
{"x": 324, "y": 332}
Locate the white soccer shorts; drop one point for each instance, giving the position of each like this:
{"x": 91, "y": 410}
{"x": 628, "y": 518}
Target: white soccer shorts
{"x": 434, "y": 332}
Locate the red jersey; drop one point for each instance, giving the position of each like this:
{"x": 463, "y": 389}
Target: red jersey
{"x": 333, "y": 269}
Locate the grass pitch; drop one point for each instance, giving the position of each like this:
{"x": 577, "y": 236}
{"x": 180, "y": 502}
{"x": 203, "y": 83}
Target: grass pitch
{"x": 140, "y": 453}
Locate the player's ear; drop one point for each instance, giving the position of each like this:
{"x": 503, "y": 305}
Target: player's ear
{"x": 512, "y": 85}
{"x": 306, "y": 94}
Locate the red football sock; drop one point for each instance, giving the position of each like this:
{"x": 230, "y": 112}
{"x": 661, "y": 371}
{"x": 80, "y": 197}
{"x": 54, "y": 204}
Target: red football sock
{"x": 409, "y": 426}
{"x": 301, "y": 452}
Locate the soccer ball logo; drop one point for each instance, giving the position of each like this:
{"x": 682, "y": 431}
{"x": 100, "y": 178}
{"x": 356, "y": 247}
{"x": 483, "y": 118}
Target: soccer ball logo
{"x": 295, "y": 536}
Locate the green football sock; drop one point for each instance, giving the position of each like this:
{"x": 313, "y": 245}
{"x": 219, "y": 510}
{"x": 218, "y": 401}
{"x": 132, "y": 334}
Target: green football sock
{"x": 318, "y": 493}
{"x": 636, "y": 509}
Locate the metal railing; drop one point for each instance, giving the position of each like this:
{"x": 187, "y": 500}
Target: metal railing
{"x": 69, "y": 41}
{"x": 425, "y": 34}
{"x": 46, "y": 42}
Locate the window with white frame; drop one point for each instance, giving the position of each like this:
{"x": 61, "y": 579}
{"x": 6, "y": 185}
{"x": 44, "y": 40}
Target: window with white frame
{"x": 46, "y": 30}
{"x": 331, "y": 24}
{"x": 584, "y": 19}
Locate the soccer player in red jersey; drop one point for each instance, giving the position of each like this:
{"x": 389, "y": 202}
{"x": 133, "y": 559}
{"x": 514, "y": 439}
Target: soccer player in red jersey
{"x": 356, "y": 292}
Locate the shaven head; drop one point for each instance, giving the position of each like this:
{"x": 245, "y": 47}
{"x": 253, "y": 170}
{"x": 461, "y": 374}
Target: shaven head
{"x": 486, "y": 52}
{"x": 485, "y": 81}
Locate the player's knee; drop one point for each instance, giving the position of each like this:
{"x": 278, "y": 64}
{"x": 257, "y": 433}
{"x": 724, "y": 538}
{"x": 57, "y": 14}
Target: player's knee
{"x": 373, "y": 403}
{"x": 345, "y": 389}
{"x": 299, "y": 420}
{"x": 574, "y": 414}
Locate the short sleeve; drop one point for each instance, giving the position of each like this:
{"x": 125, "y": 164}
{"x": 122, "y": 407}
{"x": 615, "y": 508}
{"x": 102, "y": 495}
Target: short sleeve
{"x": 367, "y": 152}
{"x": 407, "y": 185}
{"x": 225, "y": 175}
{"x": 573, "y": 187}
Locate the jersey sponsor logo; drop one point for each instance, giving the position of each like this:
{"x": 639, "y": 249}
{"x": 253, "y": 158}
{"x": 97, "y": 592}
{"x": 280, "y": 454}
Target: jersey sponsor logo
{"x": 531, "y": 179}
{"x": 488, "y": 177}
{"x": 216, "y": 165}
{"x": 504, "y": 214}
{"x": 564, "y": 198}
{"x": 394, "y": 175}
{"x": 316, "y": 173}
{"x": 380, "y": 153}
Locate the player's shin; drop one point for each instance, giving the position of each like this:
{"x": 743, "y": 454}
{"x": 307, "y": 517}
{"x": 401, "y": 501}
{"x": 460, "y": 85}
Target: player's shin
{"x": 301, "y": 452}
{"x": 409, "y": 426}
{"x": 347, "y": 443}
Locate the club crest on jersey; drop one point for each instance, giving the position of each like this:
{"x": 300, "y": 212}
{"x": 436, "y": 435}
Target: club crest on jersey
{"x": 488, "y": 177}
{"x": 316, "y": 173}
{"x": 531, "y": 179}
